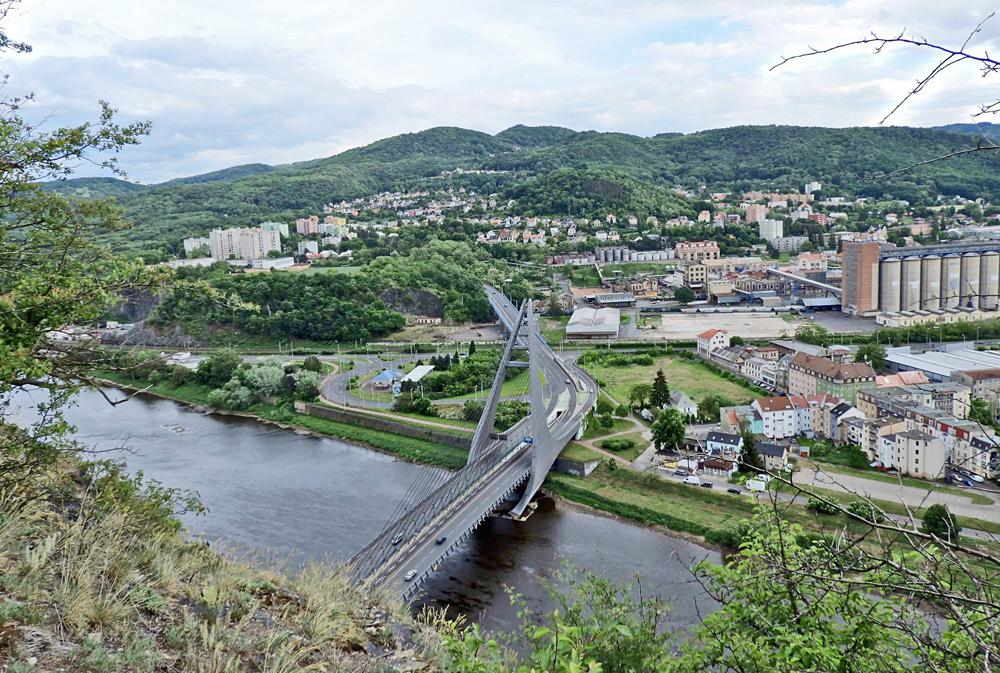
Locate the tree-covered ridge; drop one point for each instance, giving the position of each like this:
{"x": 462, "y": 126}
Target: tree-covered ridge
{"x": 847, "y": 161}
{"x": 327, "y": 307}
{"x": 592, "y": 193}
{"x": 987, "y": 129}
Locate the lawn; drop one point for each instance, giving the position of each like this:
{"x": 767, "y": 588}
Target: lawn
{"x": 639, "y": 444}
{"x": 579, "y": 453}
{"x": 691, "y": 377}
{"x": 581, "y": 276}
{"x": 594, "y": 430}
{"x": 553, "y": 329}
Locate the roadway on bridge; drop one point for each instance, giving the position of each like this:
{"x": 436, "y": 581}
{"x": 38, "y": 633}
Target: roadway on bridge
{"x": 420, "y": 553}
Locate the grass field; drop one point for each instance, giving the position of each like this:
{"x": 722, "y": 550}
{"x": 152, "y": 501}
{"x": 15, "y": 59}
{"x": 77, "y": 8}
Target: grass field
{"x": 875, "y": 475}
{"x": 640, "y": 445}
{"x": 579, "y": 452}
{"x": 581, "y": 276}
{"x": 691, "y": 377}
{"x": 594, "y": 431}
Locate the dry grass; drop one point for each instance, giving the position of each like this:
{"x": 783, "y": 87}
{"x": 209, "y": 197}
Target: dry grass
{"x": 87, "y": 584}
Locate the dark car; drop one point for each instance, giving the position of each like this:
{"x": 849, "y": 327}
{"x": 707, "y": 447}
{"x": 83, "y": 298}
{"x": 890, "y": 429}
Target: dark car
{"x": 706, "y": 484}
{"x": 733, "y": 489}
{"x": 441, "y": 540}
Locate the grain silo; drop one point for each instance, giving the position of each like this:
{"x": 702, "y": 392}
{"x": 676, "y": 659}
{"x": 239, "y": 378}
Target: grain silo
{"x": 969, "y": 289}
{"x": 989, "y": 280}
{"x": 951, "y": 280}
{"x": 909, "y": 299}
{"x": 930, "y": 282}
{"x": 888, "y": 285}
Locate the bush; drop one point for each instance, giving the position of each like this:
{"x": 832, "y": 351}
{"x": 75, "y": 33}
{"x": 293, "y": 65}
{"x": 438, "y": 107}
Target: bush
{"x": 617, "y": 444}
{"x": 848, "y": 455}
{"x": 820, "y": 507}
{"x": 724, "y": 537}
{"x": 312, "y": 364}
{"x": 233, "y": 396}
{"x": 472, "y": 410}
{"x": 179, "y": 376}
{"x": 866, "y": 511}
{"x": 621, "y": 410}
{"x": 218, "y": 368}
{"x": 604, "y": 407}
{"x": 307, "y": 385}
{"x": 606, "y": 421}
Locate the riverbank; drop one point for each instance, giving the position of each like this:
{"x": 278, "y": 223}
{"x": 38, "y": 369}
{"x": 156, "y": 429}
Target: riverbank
{"x": 195, "y": 396}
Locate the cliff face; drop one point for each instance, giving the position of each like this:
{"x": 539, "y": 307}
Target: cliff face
{"x": 137, "y": 305}
{"x": 413, "y": 301}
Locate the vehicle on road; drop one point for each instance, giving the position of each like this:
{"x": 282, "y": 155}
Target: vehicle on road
{"x": 568, "y": 382}
{"x": 976, "y": 478}
{"x": 681, "y": 472}
{"x": 692, "y": 481}
{"x": 756, "y": 485}
{"x": 410, "y": 575}
{"x": 706, "y": 484}
{"x": 733, "y": 489}
{"x": 396, "y": 540}
{"x": 441, "y": 540}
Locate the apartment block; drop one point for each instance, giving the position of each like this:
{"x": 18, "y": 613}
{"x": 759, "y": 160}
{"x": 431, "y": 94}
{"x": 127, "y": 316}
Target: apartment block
{"x": 243, "y": 243}
{"x": 809, "y": 375}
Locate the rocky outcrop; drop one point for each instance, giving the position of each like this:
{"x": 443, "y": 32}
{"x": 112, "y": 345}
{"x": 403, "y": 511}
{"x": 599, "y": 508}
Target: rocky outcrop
{"x": 413, "y": 301}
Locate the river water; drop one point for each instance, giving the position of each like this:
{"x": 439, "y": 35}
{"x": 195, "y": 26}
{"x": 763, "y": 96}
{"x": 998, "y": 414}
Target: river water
{"x": 287, "y": 498}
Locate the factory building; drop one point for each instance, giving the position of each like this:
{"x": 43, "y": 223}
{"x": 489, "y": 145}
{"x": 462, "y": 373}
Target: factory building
{"x": 885, "y": 279}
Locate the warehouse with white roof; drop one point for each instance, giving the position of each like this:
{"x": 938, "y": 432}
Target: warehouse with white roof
{"x": 593, "y": 323}
{"x": 940, "y": 361}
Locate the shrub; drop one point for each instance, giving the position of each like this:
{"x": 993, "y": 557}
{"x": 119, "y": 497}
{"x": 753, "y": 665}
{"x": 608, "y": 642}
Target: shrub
{"x": 621, "y": 410}
{"x": 218, "y": 368}
{"x": 604, "y": 407}
{"x": 820, "y": 507}
{"x": 866, "y": 511}
{"x": 179, "y": 376}
{"x": 724, "y": 537}
{"x": 617, "y": 444}
{"x": 312, "y": 364}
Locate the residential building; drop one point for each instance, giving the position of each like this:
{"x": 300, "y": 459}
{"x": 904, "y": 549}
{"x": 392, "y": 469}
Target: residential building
{"x": 777, "y": 416}
{"x": 695, "y": 275}
{"x": 305, "y": 247}
{"x": 680, "y": 401}
{"x": 984, "y": 383}
{"x": 711, "y": 340}
{"x": 280, "y": 227}
{"x": 809, "y": 375}
{"x": 725, "y": 444}
{"x": 775, "y": 455}
{"x": 754, "y": 212}
{"x": 307, "y": 226}
{"x": 195, "y": 245}
{"x": 696, "y": 251}
{"x": 914, "y": 453}
{"x": 734, "y": 420}
{"x": 788, "y": 243}
{"x": 768, "y": 229}
{"x": 242, "y": 243}
{"x": 813, "y": 187}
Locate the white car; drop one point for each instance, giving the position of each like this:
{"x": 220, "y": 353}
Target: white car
{"x": 410, "y": 575}
{"x": 692, "y": 480}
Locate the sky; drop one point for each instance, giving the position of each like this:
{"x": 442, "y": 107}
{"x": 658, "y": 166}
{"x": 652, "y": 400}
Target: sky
{"x": 227, "y": 82}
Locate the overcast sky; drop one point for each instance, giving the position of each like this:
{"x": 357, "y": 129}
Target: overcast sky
{"x": 227, "y": 82}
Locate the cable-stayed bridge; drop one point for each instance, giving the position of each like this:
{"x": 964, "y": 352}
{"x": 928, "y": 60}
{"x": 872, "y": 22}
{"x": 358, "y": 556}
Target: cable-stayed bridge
{"x": 441, "y": 508}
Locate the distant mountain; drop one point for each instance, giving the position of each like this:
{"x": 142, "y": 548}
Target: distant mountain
{"x": 232, "y": 173}
{"x": 988, "y": 129}
{"x": 610, "y": 171}
{"x": 535, "y": 136}
{"x": 94, "y": 188}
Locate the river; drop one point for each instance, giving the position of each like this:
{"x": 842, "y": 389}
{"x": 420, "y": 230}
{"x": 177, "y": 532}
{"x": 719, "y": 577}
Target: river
{"x": 289, "y": 498}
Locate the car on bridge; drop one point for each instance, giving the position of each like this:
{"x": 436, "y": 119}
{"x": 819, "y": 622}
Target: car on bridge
{"x": 410, "y": 575}
{"x": 396, "y": 540}
{"x": 441, "y": 540}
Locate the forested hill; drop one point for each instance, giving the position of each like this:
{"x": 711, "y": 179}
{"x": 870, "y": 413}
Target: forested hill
{"x": 615, "y": 171}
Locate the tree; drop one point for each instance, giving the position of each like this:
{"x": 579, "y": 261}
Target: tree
{"x": 621, "y": 411}
{"x": 555, "y": 306}
{"x": 472, "y": 348}
{"x": 606, "y": 421}
{"x": 307, "y": 385}
{"x": 750, "y": 460}
{"x": 660, "y": 395}
{"x": 264, "y": 379}
{"x": 736, "y": 340}
{"x": 639, "y": 395}
{"x": 940, "y": 522}
{"x": 816, "y": 335}
{"x": 980, "y": 412}
{"x": 873, "y": 354}
{"x": 604, "y": 406}
{"x": 668, "y": 430}
{"x": 684, "y": 295}
{"x": 54, "y": 270}
{"x": 312, "y": 364}
{"x": 708, "y": 408}
{"x": 218, "y": 368}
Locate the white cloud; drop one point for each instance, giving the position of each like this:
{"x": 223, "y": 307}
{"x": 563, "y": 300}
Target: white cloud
{"x": 232, "y": 81}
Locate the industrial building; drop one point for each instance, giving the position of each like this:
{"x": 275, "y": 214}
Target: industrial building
{"x": 885, "y": 279}
{"x": 589, "y": 323}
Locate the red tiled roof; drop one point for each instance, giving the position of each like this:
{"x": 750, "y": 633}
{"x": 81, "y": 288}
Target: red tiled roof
{"x": 832, "y": 370}
{"x": 768, "y": 404}
{"x": 708, "y": 334}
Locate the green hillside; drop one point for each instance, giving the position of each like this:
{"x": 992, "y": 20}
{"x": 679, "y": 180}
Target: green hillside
{"x": 610, "y": 171}
{"x": 987, "y": 129}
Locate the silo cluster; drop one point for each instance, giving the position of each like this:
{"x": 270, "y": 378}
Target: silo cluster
{"x": 942, "y": 279}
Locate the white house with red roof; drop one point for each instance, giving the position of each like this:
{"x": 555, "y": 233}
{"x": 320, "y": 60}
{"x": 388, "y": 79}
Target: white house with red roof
{"x": 712, "y": 340}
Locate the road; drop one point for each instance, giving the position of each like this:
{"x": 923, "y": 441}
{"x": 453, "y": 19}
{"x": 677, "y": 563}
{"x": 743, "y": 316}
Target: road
{"x": 468, "y": 499}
